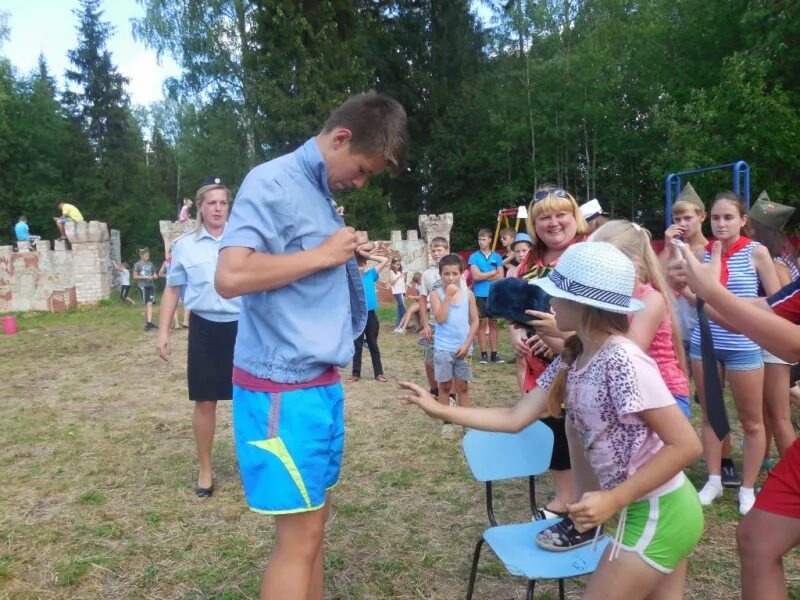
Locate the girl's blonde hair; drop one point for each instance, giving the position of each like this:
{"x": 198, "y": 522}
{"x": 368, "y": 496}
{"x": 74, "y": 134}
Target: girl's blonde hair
{"x": 593, "y": 321}
{"x": 634, "y": 242}
{"x": 200, "y": 197}
{"x": 552, "y": 203}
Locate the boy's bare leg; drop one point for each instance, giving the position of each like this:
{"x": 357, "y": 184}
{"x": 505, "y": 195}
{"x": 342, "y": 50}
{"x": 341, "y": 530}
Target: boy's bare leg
{"x": 204, "y": 422}
{"x": 482, "y": 335}
{"x": 429, "y": 373}
{"x": 444, "y": 392}
{"x": 293, "y": 571}
{"x": 462, "y": 390}
{"x": 148, "y": 312}
{"x": 318, "y": 571}
{"x": 493, "y": 334}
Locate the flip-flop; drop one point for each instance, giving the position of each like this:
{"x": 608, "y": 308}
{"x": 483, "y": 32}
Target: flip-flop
{"x": 380, "y": 378}
{"x": 352, "y": 379}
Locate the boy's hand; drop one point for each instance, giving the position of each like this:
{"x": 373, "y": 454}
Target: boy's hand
{"x": 593, "y": 509}
{"x": 427, "y": 333}
{"x": 339, "y": 247}
{"x": 451, "y": 290}
{"x": 462, "y": 352}
{"x": 415, "y": 394}
{"x": 672, "y": 232}
{"x": 163, "y": 347}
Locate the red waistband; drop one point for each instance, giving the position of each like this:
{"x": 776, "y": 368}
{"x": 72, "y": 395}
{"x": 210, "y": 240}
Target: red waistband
{"x": 250, "y": 382}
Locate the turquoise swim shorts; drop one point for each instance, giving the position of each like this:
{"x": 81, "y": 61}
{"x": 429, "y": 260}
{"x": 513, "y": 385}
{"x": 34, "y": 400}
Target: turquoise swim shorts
{"x": 289, "y": 446}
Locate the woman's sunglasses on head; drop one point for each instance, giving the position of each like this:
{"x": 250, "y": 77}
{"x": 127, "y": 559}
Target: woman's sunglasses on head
{"x": 542, "y": 194}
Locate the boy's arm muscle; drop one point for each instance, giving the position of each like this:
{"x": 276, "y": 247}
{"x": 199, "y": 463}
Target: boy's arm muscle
{"x": 474, "y": 322}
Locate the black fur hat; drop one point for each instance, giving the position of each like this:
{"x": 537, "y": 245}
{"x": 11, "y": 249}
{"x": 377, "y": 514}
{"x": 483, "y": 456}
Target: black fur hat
{"x": 510, "y": 298}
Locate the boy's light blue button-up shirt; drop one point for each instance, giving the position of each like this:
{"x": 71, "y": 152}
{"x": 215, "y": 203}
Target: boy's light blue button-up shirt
{"x": 294, "y": 333}
{"x": 194, "y": 263}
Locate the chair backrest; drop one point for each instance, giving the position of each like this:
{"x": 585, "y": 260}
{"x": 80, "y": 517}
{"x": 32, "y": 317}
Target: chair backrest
{"x": 492, "y": 456}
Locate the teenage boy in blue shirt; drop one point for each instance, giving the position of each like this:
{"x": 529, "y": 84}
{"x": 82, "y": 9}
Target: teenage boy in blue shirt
{"x": 485, "y": 267}
{"x": 287, "y": 252}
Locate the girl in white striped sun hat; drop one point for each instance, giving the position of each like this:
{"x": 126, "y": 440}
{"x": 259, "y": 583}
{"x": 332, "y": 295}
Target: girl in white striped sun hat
{"x": 634, "y": 435}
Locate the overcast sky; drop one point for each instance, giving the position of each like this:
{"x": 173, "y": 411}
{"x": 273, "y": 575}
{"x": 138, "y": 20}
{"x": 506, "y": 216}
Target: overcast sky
{"x": 49, "y": 27}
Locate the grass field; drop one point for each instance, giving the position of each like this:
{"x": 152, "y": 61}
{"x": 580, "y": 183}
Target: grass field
{"x": 98, "y": 466}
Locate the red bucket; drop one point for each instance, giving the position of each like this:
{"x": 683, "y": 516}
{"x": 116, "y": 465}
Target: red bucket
{"x": 10, "y": 324}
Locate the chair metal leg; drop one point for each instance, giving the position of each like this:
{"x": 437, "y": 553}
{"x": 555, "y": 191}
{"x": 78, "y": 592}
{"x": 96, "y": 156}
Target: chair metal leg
{"x": 560, "y": 589}
{"x": 474, "y": 571}
{"x": 531, "y": 586}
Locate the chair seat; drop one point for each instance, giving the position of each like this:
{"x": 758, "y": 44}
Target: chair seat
{"x": 516, "y": 547}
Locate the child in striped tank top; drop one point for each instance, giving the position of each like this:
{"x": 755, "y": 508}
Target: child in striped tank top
{"x": 745, "y": 265}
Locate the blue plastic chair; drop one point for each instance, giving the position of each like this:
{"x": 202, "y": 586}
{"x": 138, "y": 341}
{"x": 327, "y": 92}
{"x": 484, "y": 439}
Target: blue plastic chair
{"x": 496, "y": 456}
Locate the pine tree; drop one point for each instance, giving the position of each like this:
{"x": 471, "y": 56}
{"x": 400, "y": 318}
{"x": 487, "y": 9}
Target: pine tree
{"x": 115, "y": 190}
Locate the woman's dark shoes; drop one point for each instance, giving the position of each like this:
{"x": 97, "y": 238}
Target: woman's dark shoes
{"x": 202, "y": 492}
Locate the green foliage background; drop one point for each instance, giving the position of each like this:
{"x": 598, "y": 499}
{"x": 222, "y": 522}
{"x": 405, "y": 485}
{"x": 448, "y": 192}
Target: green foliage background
{"x": 603, "y": 98}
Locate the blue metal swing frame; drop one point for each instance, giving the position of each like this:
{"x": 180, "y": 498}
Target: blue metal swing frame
{"x": 740, "y": 174}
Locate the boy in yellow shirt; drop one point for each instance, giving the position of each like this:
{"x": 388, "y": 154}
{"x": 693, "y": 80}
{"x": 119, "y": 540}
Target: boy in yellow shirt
{"x": 69, "y": 214}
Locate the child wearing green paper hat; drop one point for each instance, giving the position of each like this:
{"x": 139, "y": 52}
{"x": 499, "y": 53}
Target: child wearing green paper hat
{"x": 768, "y": 219}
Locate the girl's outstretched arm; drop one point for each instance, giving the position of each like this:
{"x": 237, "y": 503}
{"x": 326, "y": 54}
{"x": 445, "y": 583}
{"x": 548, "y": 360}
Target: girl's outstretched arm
{"x": 510, "y": 419}
{"x": 681, "y": 447}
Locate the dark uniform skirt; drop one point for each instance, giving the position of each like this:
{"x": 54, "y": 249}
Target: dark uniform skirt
{"x": 210, "y": 354}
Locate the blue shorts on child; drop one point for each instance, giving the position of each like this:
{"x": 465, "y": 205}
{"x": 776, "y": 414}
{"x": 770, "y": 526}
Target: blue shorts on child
{"x": 289, "y": 446}
{"x": 447, "y": 367}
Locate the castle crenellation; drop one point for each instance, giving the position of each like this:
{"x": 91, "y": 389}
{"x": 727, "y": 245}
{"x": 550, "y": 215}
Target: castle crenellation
{"x": 61, "y": 274}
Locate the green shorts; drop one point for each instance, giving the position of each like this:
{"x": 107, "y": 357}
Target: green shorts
{"x": 664, "y": 530}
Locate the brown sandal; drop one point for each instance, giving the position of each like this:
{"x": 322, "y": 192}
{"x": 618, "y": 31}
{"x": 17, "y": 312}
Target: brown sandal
{"x": 352, "y": 379}
{"x": 380, "y": 378}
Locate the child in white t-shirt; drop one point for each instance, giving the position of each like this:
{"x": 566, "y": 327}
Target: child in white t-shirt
{"x": 124, "y": 282}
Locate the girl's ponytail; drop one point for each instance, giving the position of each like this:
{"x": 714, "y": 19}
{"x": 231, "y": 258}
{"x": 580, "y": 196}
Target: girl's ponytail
{"x": 558, "y": 389}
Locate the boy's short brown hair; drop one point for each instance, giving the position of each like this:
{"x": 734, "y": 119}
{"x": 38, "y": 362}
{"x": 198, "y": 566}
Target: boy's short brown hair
{"x": 378, "y": 125}
{"x": 683, "y": 206}
{"x": 452, "y": 259}
{"x": 485, "y": 232}
{"x": 510, "y": 231}
{"x": 440, "y": 241}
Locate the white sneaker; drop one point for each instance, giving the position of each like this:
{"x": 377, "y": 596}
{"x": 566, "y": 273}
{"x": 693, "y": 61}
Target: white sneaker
{"x": 709, "y": 493}
{"x": 449, "y": 431}
{"x": 746, "y": 502}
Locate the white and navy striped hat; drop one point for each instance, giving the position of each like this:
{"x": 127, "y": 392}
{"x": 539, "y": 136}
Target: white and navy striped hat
{"x": 596, "y": 274}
